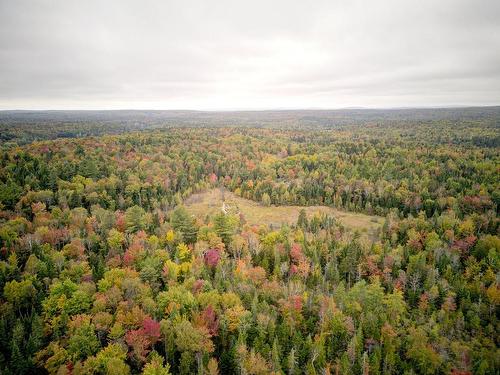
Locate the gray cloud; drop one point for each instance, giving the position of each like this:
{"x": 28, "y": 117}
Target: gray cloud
{"x": 229, "y": 54}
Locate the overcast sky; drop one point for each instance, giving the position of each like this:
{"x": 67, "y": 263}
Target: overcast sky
{"x": 248, "y": 54}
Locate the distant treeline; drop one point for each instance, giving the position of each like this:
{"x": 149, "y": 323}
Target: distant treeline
{"x": 22, "y": 127}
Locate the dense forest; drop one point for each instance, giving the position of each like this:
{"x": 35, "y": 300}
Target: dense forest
{"x": 103, "y": 270}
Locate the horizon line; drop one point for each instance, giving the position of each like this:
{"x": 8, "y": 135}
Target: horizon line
{"x": 278, "y": 109}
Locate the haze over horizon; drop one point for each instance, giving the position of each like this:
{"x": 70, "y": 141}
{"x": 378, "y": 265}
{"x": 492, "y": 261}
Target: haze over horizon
{"x": 233, "y": 55}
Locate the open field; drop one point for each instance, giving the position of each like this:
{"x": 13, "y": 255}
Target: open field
{"x": 210, "y": 202}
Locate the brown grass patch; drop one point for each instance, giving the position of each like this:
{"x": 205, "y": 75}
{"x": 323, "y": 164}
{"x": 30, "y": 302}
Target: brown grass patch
{"x": 210, "y": 202}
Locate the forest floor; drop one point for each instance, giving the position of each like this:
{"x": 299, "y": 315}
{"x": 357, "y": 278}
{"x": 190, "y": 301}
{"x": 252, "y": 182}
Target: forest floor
{"x": 212, "y": 201}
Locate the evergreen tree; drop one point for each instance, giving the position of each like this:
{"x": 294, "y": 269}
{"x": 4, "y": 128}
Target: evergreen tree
{"x": 185, "y": 224}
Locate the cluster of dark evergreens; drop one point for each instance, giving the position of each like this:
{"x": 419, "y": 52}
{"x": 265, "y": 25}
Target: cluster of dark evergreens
{"x": 103, "y": 271}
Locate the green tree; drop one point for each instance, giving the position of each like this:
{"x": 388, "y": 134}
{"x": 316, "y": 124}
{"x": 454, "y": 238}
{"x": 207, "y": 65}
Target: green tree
{"x": 135, "y": 219}
{"x": 83, "y": 342}
{"x": 115, "y": 239}
{"x": 185, "y": 224}
{"x": 266, "y": 200}
{"x": 20, "y": 294}
{"x": 225, "y": 226}
{"x": 155, "y": 366}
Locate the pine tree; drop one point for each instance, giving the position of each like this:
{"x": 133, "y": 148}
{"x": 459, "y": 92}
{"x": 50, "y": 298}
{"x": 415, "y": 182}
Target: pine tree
{"x": 224, "y": 226}
{"x": 275, "y": 356}
{"x": 183, "y": 223}
{"x": 266, "y": 200}
{"x": 19, "y": 361}
{"x": 302, "y": 220}
{"x": 292, "y": 362}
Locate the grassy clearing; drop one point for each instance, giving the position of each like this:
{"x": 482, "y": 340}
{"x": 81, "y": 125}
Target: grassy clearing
{"x": 211, "y": 202}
